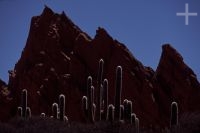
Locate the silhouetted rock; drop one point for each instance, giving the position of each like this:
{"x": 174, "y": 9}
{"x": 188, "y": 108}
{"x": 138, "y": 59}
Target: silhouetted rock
{"x": 58, "y": 58}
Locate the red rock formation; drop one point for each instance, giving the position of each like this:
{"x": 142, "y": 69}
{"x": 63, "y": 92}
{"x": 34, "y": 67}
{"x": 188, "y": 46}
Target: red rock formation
{"x": 58, "y": 58}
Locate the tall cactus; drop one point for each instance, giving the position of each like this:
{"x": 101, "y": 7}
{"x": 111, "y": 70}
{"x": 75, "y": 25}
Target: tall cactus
{"x": 118, "y": 89}
{"x": 174, "y": 114}
{"x": 174, "y": 118}
{"x": 85, "y": 106}
{"x": 99, "y": 89}
{"x": 137, "y": 125}
{"x": 125, "y": 103}
{"x": 24, "y": 102}
{"x": 129, "y": 111}
{"x": 105, "y": 97}
{"x": 110, "y": 113}
{"x": 55, "y": 110}
{"x": 122, "y": 112}
{"x": 62, "y": 107}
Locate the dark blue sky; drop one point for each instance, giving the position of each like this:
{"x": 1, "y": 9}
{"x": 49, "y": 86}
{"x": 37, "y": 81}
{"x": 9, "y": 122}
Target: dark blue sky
{"x": 143, "y": 25}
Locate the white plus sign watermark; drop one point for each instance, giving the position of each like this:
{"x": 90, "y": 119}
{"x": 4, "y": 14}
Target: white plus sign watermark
{"x": 186, "y": 14}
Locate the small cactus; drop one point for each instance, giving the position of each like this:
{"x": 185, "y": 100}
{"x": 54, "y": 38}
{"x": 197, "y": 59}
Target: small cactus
{"x": 24, "y": 102}
{"x": 174, "y": 114}
{"x": 118, "y": 89}
{"x": 122, "y": 112}
{"x": 42, "y": 115}
{"x": 125, "y": 103}
{"x": 89, "y": 84}
{"x": 137, "y": 125}
{"x": 99, "y": 89}
{"x": 28, "y": 112}
{"x": 19, "y": 111}
{"x": 110, "y": 113}
{"x": 174, "y": 118}
{"x": 55, "y": 110}
{"x": 129, "y": 111}
{"x": 62, "y": 107}
{"x": 133, "y": 118}
{"x": 85, "y": 105}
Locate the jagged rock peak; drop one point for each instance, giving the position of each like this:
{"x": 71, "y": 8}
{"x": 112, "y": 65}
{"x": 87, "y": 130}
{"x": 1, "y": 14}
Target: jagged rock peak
{"x": 47, "y": 11}
{"x": 168, "y": 50}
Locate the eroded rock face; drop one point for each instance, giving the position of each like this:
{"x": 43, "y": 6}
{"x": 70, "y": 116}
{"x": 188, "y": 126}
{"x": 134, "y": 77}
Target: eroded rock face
{"x": 58, "y": 58}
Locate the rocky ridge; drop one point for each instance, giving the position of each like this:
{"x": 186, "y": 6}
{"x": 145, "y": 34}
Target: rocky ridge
{"x": 59, "y": 56}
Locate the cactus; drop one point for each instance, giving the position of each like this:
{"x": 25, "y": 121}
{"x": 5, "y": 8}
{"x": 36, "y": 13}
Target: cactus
{"x": 118, "y": 89}
{"x": 28, "y": 112}
{"x": 85, "y": 105}
{"x": 89, "y": 84}
{"x": 55, "y": 110}
{"x": 110, "y": 113}
{"x": 24, "y": 102}
{"x": 133, "y": 119}
{"x": 174, "y": 118}
{"x": 122, "y": 112}
{"x": 19, "y": 111}
{"x": 125, "y": 103}
{"x": 88, "y": 101}
{"x": 174, "y": 114}
{"x": 62, "y": 107}
{"x": 42, "y": 115}
{"x": 137, "y": 125}
{"x": 99, "y": 89}
{"x": 129, "y": 111}
{"x": 105, "y": 98}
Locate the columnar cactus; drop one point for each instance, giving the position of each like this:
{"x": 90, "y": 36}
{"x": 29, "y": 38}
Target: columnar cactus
{"x": 129, "y": 111}
{"x": 105, "y": 97}
{"x": 55, "y": 110}
{"x": 42, "y": 115}
{"x": 19, "y": 111}
{"x": 174, "y": 114}
{"x": 89, "y": 84}
{"x": 137, "y": 125}
{"x": 125, "y": 103}
{"x": 28, "y": 112}
{"x": 133, "y": 118}
{"x": 118, "y": 89}
{"x": 110, "y": 113}
{"x": 62, "y": 107}
{"x": 122, "y": 112}
{"x": 24, "y": 102}
{"x": 99, "y": 89}
{"x": 85, "y": 105}
{"x": 174, "y": 118}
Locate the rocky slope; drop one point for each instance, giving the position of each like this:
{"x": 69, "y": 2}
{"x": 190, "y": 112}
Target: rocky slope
{"x": 58, "y": 58}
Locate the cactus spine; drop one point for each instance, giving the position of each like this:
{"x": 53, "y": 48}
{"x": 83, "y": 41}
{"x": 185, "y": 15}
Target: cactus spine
{"x": 110, "y": 113}
{"x": 24, "y": 102}
{"x": 99, "y": 89}
{"x": 55, "y": 110}
{"x": 62, "y": 107}
{"x": 118, "y": 89}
